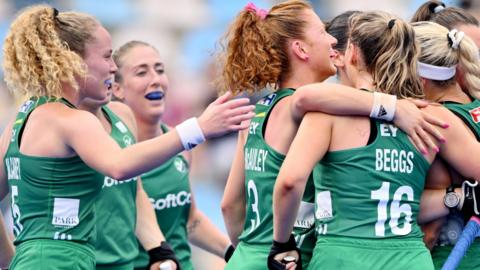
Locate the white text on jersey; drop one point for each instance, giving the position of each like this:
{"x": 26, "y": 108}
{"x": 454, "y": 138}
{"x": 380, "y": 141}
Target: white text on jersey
{"x": 255, "y": 159}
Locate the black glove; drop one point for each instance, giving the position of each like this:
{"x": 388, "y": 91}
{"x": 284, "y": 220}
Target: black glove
{"x": 229, "y": 252}
{"x": 278, "y": 248}
{"x": 471, "y": 205}
{"x": 162, "y": 253}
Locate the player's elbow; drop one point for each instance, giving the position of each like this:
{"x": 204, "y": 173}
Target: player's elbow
{"x": 300, "y": 102}
{"x": 120, "y": 173}
{"x": 227, "y": 205}
{"x": 288, "y": 183}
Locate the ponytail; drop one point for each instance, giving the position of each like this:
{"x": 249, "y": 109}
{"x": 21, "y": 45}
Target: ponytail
{"x": 427, "y": 11}
{"x": 41, "y": 53}
{"x": 449, "y": 17}
{"x": 470, "y": 65}
{"x": 390, "y": 53}
{"x": 254, "y": 53}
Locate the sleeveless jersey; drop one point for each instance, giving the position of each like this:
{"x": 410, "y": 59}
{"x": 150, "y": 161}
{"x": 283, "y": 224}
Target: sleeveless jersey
{"x": 372, "y": 192}
{"x": 168, "y": 189}
{"x": 470, "y": 115}
{"x": 262, "y": 164}
{"x": 51, "y": 198}
{"x": 116, "y": 211}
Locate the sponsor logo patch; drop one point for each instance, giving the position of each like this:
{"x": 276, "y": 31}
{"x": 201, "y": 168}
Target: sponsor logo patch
{"x": 475, "y": 114}
{"x": 180, "y": 165}
{"x": 267, "y": 100}
{"x": 324, "y": 206}
{"x": 65, "y": 212}
{"x": 26, "y": 106}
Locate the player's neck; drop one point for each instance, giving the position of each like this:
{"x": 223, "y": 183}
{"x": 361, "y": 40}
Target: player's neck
{"x": 148, "y": 129}
{"x": 450, "y": 93}
{"x": 363, "y": 80}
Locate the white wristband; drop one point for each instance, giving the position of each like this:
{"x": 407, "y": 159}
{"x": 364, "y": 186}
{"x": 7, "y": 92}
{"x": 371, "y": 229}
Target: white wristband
{"x": 383, "y": 106}
{"x": 190, "y": 133}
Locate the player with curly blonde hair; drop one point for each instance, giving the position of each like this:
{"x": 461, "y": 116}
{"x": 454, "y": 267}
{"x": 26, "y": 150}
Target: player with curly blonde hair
{"x": 56, "y": 155}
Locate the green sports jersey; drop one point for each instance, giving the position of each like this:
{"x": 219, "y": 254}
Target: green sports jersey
{"x": 470, "y": 115}
{"x": 372, "y": 192}
{"x": 262, "y": 164}
{"x": 116, "y": 212}
{"x": 168, "y": 188}
{"x": 52, "y": 198}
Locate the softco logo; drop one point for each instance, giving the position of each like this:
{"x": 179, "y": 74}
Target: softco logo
{"x": 171, "y": 200}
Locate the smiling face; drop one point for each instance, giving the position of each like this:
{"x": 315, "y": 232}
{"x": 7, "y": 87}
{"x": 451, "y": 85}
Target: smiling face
{"x": 143, "y": 83}
{"x": 101, "y": 67}
{"x": 320, "y": 43}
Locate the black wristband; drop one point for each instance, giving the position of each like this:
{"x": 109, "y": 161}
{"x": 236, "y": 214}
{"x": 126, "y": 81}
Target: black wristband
{"x": 162, "y": 253}
{"x": 229, "y": 252}
{"x": 287, "y": 246}
{"x": 278, "y": 248}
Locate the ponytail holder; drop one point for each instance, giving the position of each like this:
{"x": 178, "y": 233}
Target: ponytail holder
{"x": 436, "y": 8}
{"x": 454, "y": 38}
{"x": 391, "y": 23}
{"x": 55, "y": 13}
{"x": 260, "y": 12}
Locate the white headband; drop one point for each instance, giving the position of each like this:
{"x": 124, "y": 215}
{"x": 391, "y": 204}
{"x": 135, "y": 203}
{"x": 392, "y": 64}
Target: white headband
{"x": 455, "y": 38}
{"x": 436, "y": 73}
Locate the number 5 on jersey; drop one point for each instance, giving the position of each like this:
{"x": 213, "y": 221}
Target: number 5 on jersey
{"x": 17, "y": 226}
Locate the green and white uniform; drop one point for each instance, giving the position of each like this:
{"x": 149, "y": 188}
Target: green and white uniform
{"x": 470, "y": 115}
{"x": 53, "y": 204}
{"x": 367, "y": 201}
{"x": 116, "y": 245}
{"x": 168, "y": 188}
{"x": 262, "y": 164}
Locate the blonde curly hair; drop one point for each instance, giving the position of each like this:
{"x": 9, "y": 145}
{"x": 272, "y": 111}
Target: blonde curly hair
{"x": 254, "y": 50}
{"x": 44, "y": 49}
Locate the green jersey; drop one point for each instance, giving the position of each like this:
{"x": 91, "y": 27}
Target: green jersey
{"x": 372, "y": 192}
{"x": 262, "y": 164}
{"x": 168, "y": 188}
{"x": 470, "y": 115}
{"x": 116, "y": 212}
{"x": 52, "y": 198}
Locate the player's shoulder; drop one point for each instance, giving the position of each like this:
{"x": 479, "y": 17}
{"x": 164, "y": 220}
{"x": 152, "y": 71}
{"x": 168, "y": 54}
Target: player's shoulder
{"x": 125, "y": 114}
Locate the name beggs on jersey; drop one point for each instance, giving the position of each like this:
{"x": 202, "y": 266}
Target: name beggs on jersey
{"x": 393, "y": 160}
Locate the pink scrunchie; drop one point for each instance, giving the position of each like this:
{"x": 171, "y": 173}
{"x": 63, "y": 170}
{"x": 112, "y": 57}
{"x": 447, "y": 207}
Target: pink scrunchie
{"x": 260, "y": 12}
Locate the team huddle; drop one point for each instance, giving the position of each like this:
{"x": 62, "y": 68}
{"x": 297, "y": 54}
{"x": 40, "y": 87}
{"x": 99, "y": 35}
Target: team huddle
{"x": 371, "y": 172}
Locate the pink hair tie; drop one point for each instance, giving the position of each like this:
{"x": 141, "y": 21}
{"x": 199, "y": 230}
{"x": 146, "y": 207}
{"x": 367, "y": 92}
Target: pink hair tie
{"x": 260, "y": 12}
